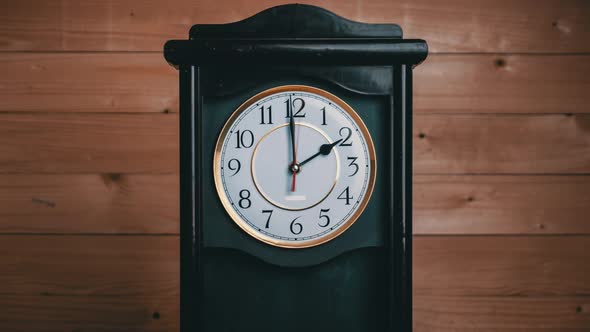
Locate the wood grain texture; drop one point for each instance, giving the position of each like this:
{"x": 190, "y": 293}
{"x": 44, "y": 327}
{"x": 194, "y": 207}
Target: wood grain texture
{"x": 450, "y": 26}
{"x": 89, "y": 203}
{"x": 88, "y": 82}
{"x": 117, "y": 283}
{"x": 148, "y": 143}
{"x": 88, "y": 143}
{"x": 148, "y": 204}
{"x": 510, "y": 266}
{"x": 140, "y": 82}
{"x": 507, "y": 314}
{"x": 90, "y": 313}
{"x": 511, "y": 144}
{"x": 501, "y": 204}
{"x": 502, "y": 84}
{"x": 89, "y": 283}
{"x": 89, "y": 265}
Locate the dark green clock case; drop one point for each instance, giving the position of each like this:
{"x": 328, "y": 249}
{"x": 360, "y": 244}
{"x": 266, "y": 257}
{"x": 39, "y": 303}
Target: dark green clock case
{"x": 360, "y": 281}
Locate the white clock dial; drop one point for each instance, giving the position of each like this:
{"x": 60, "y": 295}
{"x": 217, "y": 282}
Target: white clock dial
{"x": 294, "y": 166}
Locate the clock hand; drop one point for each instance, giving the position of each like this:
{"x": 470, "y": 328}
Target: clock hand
{"x": 294, "y": 170}
{"x": 325, "y": 150}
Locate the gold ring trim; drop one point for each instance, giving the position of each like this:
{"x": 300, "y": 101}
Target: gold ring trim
{"x": 271, "y": 201}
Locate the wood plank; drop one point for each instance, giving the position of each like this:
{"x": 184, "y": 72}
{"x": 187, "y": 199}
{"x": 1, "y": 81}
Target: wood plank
{"x": 139, "y": 82}
{"x": 134, "y": 203}
{"x": 117, "y": 283}
{"x": 89, "y": 203}
{"x": 89, "y": 265}
{"x": 89, "y": 283}
{"x": 452, "y": 26}
{"x": 506, "y": 314}
{"x": 105, "y": 265}
{"x": 41, "y": 313}
{"x": 148, "y": 143}
{"x": 523, "y": 26}
{"x": 431, "y": 314}
{"x": 509, "y": 266}
{"x": 502, "y": 84}
{"x": 501, "y": 204}
{"x": 88, "y": 143}
{"x": 522, "y": 144}
{"x": 88, "y": 82}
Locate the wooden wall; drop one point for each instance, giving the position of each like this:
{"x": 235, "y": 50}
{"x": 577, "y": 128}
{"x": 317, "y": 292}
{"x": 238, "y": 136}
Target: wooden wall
{"x": 88, "y": 161}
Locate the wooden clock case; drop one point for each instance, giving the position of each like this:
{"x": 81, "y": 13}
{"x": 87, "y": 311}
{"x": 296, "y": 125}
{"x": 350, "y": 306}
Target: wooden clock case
{"x": 360, "y": 281}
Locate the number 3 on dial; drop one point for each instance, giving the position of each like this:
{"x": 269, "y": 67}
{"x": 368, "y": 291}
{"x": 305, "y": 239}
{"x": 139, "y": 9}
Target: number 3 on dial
{"x": 298, "y": 180}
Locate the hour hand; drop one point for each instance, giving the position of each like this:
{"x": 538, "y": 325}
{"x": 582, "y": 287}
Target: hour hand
{"x": 325, "y": 150}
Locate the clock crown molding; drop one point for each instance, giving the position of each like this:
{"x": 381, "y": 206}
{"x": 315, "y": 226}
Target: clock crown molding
{"x": 295, "y": 21}
{"x": 296, "y": 35}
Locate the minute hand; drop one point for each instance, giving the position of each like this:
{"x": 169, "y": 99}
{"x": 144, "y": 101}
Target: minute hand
{"x": 325, "y": 150}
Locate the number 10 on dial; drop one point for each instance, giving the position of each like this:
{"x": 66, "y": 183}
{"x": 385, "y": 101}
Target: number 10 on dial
{"x": 294, "y": 166}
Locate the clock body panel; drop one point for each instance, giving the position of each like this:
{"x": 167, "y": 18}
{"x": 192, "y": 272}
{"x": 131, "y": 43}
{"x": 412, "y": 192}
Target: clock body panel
{"x": 257, "y": 186}
{"x": 241, "y": 276}
{"x": 220, "y": 231}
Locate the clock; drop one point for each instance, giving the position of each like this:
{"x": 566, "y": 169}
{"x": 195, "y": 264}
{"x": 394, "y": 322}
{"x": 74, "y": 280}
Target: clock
{"x": 295, "y": 155}
{"x": 294, "y": 166}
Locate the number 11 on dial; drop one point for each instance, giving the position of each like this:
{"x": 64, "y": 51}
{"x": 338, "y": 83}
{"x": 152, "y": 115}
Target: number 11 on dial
{"x": 294, "y": 166}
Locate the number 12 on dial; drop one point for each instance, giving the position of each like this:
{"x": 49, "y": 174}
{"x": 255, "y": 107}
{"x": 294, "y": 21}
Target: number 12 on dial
{"x": 294, "y": 166}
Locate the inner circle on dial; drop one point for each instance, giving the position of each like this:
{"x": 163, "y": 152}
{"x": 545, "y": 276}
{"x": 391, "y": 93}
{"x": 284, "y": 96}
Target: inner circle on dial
{"x": 271, "y": 161}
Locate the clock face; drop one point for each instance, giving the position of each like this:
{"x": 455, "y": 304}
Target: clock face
{"x": 294, "y": 166}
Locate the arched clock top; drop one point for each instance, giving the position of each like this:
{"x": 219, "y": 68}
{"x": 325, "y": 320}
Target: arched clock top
{"x": 295, "y": 21}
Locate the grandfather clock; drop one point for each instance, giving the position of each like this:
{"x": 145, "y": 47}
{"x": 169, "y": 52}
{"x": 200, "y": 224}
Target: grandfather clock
{"x": 295, "y": 173}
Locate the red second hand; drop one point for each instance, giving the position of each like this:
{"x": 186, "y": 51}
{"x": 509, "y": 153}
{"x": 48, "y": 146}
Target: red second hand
{"x": 294, "y": 172}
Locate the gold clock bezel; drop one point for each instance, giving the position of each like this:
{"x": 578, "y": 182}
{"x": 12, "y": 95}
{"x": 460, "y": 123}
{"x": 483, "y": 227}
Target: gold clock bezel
{"x": 243, "y": 224}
